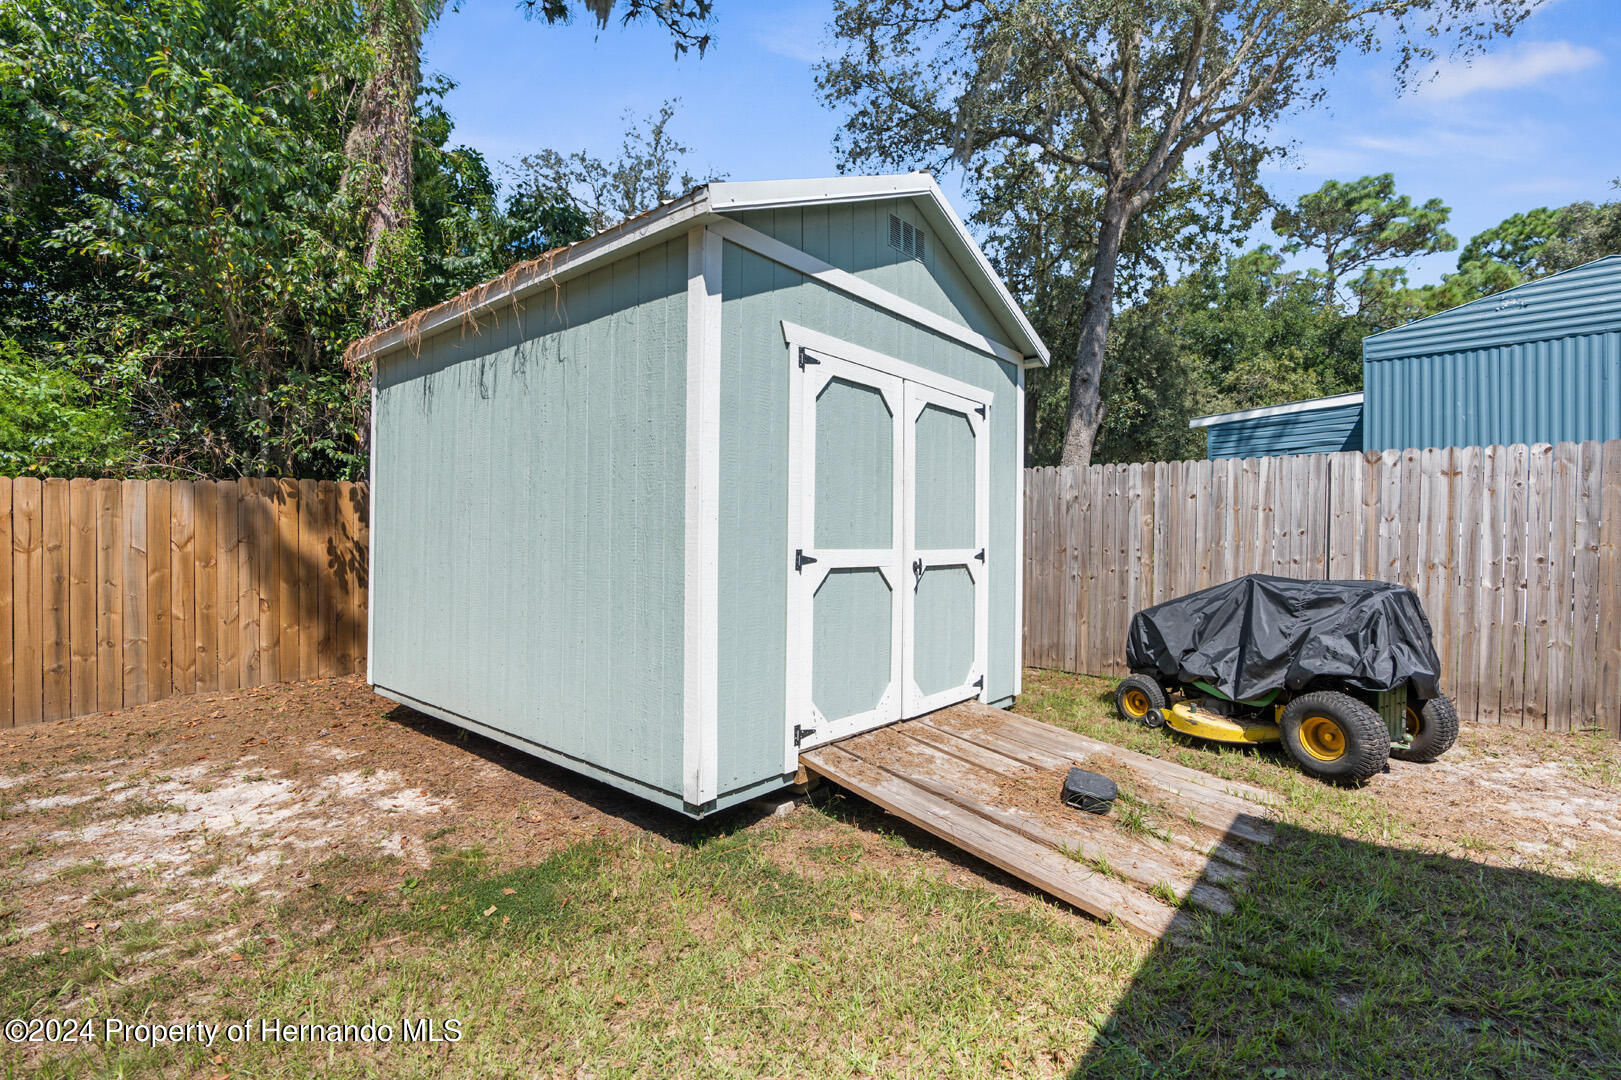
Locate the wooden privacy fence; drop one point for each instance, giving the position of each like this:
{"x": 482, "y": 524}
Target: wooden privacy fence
{"x": 120, "y": 592}
{"x": 1515, "y": 551}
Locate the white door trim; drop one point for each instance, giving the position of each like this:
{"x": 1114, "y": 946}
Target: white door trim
{"x": 916, "y": 702}
{"x": 799, "y": 336}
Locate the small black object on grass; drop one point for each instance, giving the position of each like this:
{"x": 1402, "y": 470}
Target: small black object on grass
{"x": 1089, "y": 791}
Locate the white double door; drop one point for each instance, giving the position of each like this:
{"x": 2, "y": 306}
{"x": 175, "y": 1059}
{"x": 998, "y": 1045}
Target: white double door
{"x": 888, "y": 527}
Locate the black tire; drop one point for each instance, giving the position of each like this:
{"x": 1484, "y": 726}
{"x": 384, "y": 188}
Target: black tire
{"x": 1136, "y": 697}
{"x": 1335, "y": 737}
{"x": 1437, "y": 730}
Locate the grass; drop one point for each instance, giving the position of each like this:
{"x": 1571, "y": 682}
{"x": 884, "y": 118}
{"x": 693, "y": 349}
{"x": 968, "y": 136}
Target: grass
{"x": 825, "y": 944}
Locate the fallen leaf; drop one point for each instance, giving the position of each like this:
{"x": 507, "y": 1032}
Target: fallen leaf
{"x": 508, "y": 892}
{"x": 856, "y": 916}
{"x": 505, "y": 919}
{"x": 218, "y": 1059}
{"x": 489, "y": 910}
{"x": 91, "y": 925}
{"x": 236, "y": 958}
{"x": 618, "y": 1000}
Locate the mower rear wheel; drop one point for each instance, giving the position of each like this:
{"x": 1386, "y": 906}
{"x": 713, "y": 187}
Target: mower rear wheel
{"x": 1433, "y": 729}
{"x": 1137, "y": 697}
{"x": 1333, "y": 736}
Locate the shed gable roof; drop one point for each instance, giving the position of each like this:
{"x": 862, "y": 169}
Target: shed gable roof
{"x": 1582, "y": 300}
{"x": 715, "y": 201}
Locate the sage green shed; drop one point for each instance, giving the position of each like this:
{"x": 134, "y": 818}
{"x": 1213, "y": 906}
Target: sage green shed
{"x": 735, "y": 478}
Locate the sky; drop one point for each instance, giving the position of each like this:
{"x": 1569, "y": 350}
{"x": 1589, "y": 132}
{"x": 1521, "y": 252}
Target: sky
{"x": 1534, "y": 122}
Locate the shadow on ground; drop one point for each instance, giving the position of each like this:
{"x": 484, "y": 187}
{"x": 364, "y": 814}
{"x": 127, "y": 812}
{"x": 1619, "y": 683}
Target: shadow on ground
{"x": 1351, "y": 958}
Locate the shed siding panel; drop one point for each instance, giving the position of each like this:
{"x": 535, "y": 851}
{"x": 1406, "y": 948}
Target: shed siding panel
{"x": 527, "y": 557}
{"x": 758, "y": 296}
{"x": 1320, "y": 431}
{"x": 855, "y": 238}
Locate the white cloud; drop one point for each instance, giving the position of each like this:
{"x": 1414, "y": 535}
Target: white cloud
{"x": 1509, "y": 70}
{"x": 796, "y": 33}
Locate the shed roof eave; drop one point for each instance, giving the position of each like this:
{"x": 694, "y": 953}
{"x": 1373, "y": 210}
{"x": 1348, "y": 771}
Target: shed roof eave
{"x": 1333, "y": 401}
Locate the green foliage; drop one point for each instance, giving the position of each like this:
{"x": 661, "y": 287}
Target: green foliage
{"x": 52, "y": 422}
{"x": 1357, "y": 223}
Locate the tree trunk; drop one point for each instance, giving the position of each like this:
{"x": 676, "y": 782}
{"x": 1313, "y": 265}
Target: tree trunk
{"x": 378, "y": 147}
{"x": 1097, "y": 312}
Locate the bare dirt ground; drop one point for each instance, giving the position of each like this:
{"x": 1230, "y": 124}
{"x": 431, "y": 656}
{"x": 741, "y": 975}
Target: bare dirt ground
{"x": 198, "y": 799}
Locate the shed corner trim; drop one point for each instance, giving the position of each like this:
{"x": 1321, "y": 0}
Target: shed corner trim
{"x": 700, "y": 757}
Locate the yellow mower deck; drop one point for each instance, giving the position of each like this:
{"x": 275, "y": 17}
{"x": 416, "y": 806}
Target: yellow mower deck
{"x": 1189, "y": 720}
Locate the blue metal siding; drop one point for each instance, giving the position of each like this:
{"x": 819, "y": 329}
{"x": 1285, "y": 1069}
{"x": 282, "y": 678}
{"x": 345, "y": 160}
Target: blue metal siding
{"x": 1586, "y": 300}
{"x": 1320, "y": 431}
{"x": 1540, "y": 363}
{"x": 1561, "y": 390}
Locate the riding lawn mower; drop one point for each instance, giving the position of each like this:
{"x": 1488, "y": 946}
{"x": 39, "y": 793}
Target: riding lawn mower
{"x": 1343, "y": 673}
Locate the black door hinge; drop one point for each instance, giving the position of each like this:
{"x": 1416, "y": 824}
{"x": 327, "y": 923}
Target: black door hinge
{"x": 981, "y": 555}
{"x": 800, "y": 733}
{"x": 806, "y": 358}
{"x": 800, "y": 560}
{"x": 979, "y": 683}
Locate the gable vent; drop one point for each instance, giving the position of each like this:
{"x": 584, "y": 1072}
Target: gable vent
{"x": 905, "y": 237}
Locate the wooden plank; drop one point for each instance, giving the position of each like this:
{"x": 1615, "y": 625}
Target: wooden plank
{"x": 137, "y": 681}
{"x": 182, "y": 587}
{"x": 160, "y": 682}
{"x": 1388, "y": 563}
{"x": 1539, "y": 584}
{"x": 287, "y": 565}
{"x": 1204, "y": 524}
{"x": 1434, "y": 528}
{"x": 228, "y": 589}
{"x": 1266, "y": 522}
{"x": 361, "y": 595}
{"x": 205, "y": 557}
{"x": 1561, "y": 566}
{"x": 1094, "y": 576}
{"x": 310, "y": 569}
{"x": 1410, "y": 548}
{"x": 1025, "y": 859}
{"x": 8, "y": 716}
{"x": 28, "y": 607}
{"x": 267, "y": 541}
{"x": 1286, "y": 500}
{"x": 1586, "y": 632}
{"x": 1494, "y": 473}
{"x": 1064, "y": 518}
{"x": 1139, "y": 554}
{"x": 325, "y": 572}
{"x": 1117, "y": 616}
{"x": 982, "y": 790}
{"x": 1609, "y": 589}
{"x": 1028, "y": 655}
{"x": 1369, "y": 523}
{"x": 1164, "y": 499}
{"x": 110, "y": 539}
{"x": 350, "y": 636}
{"x": 58, "y": 691}
{"x": 1516, "y": 581}
{"x": 83, "y": 594}
{"x": 249, "y": 567}
{"x": 1464, "y": 688}
{"x": 1315, "y": 541}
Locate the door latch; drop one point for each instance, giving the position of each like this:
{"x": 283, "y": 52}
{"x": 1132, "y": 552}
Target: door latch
{"x": 801, "y": 560}
{"x": 917, "y": 568}
{"x": 801, "y": 733}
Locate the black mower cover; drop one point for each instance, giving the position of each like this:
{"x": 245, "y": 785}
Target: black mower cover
{"x": 1261, "y": 633}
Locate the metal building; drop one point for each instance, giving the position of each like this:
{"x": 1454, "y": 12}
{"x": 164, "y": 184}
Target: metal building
{"x": 1317, "y": 426}
{"x": 1537, "y": 363}
{"x": 737, "y": 477}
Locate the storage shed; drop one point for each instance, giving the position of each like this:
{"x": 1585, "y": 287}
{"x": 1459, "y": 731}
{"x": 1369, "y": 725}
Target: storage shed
{"x": 735, "y": 478}
{"x": 1316, "y": 426}
{"x": 1537, "y": 363}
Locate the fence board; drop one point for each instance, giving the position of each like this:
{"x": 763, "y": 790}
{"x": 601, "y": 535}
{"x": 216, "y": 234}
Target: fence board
{"x": 28, "y": 604}
{"x": 228, "y": 634}
{"x": 58, "y": 696}
{"x": 8, "y": 717}
{"x": 1466, "y": 579}
{"x": 82, "y": 596}
{"x": 1493, "y": 599}
{"x": 182, "y": 589}
{"x": 1609, "y": 598}
{"x": 109, "y": 626}
{"x": 1561, "y": 565}
{"x": 287, "y": 573}
{"x": 1585, "y": 629}
{"x": 137, "y": 683}
{"x": 1539, "y": 585}
{"x": 205, "y": 560}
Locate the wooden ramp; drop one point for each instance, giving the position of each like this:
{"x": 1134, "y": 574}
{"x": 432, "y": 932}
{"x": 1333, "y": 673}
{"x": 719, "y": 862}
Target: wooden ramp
{"x": 988, "y": 781}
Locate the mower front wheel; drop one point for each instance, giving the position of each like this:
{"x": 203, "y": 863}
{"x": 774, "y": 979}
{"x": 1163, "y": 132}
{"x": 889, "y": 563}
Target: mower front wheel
{"x": 1432, "y": 730}
{"x": 1137, "y": 697}
{"x": 1335, "y": 737}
